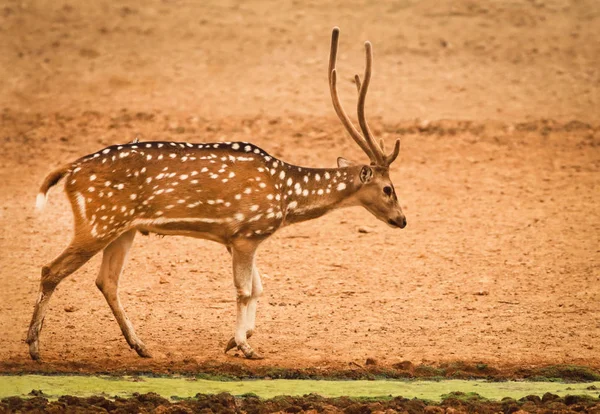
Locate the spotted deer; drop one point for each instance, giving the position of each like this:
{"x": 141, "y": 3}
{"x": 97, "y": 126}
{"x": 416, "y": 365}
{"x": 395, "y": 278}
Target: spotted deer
{"x": 233, "y": 193}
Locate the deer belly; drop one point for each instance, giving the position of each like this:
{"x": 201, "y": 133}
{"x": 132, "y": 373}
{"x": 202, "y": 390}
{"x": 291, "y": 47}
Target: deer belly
{"x": 202, "y": 230}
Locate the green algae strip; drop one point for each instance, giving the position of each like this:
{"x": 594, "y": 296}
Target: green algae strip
{"x": 108, "y": 386}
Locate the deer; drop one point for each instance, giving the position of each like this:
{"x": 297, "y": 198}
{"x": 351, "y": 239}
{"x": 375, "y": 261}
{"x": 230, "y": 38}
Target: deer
{"x": 232, "y": 193}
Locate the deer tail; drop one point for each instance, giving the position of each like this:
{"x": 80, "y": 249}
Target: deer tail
{"x": 51, "y": 180}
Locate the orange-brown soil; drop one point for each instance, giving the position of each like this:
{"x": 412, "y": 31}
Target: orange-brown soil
{"x": 496, "y": 106}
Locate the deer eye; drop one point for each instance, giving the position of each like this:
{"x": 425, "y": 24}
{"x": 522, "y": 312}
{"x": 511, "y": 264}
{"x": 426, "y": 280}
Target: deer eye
{"x": 387, "y": 190}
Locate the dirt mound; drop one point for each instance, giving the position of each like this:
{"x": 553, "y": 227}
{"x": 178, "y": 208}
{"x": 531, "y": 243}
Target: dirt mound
{"x": 226, "y": 403}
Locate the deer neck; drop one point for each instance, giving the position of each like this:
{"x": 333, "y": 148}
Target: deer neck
{"x": 309, "y": 193}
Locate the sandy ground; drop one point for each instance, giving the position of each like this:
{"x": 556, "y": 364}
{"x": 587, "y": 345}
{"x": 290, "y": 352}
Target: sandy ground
{"x": 497, "y": 109}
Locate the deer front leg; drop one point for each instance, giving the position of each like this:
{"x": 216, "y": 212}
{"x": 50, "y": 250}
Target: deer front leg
{"x": 243, "y": 272}
{"x": 257, "y": 290}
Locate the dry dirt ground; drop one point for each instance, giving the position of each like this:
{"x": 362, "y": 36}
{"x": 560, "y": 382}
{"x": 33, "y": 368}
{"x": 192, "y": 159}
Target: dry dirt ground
{"x": 497, "y": 106}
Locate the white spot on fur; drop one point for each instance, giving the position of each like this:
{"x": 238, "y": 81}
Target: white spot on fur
{"x": 81, "y": 203}
{"x": 341, "y": 186}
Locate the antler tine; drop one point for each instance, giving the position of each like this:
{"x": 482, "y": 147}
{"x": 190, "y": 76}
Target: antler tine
{"x": 392, "y": 157}
{"x": 379, "y": 156}
{"x": 357, "y": 83}
{"x": 339, "y": 110}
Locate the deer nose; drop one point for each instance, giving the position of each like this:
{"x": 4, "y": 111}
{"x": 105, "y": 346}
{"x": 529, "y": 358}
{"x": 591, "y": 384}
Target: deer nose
{"x": 402, "y": 222}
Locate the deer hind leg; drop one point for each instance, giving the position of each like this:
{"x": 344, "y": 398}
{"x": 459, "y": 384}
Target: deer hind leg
{"x": 243, "y": 271}
{"x": 257, "y": 290}
{"x": 71, "y": 259}
{"x": 113, "y": 260}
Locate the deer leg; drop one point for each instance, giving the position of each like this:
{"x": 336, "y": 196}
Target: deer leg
{"x": 257, "y": 290}
{"x": 71, "y": 259}
{"x": 243, "y": 270}
{"x": 113, "y": 260}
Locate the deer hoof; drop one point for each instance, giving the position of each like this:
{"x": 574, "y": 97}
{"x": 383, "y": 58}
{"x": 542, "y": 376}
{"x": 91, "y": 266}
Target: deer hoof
{"x": 232, "y": 344}
{"x": 249, "y": 352}
{"x": 142, "y": 351}
{"x": 34, "y": 351}
{"x": 254, "y": 355}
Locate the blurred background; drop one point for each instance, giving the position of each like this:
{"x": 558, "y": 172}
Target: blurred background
{"x": 463, "y": 59}
{"x": 496, "y": 103}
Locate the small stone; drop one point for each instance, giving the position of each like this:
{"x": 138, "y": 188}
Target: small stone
{"x": 162, "y": 280}
{"x": 371, "y": 361}
{"x": 365, "y": 229}
{"x": 424, "y": 124}
{"x": 71, "y": 308}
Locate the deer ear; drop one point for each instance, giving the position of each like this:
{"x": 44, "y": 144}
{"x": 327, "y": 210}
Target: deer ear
{"x": 366, "y": 173}
{"x": 343, "y": 162}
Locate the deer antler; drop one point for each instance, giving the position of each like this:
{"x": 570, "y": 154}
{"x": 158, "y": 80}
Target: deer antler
{"x": 336, "y": 100}
{"x": 366, "y": 141}
{"x": 362, "y": 96}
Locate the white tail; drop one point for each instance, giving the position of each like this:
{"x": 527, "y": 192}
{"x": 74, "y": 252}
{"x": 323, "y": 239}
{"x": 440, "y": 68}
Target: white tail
{"x": 233, "y": 193}
{"x": 40, "y": 201}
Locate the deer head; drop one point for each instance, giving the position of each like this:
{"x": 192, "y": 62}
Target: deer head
{"x": 376, "y": 192}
